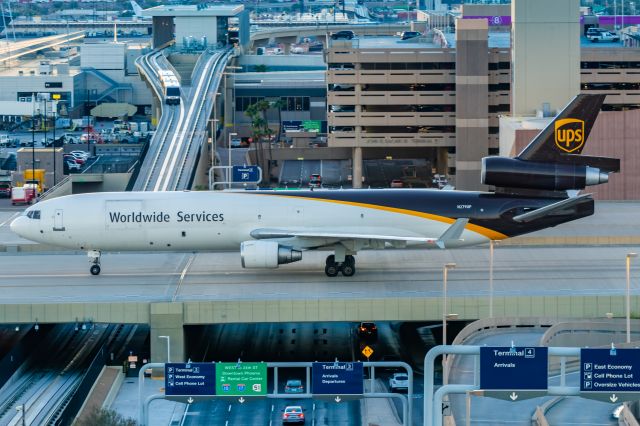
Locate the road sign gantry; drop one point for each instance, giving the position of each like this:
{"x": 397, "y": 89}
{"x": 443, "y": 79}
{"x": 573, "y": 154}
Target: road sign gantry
{"x": 193, "y": 382}
{"x": 615, "y": 373}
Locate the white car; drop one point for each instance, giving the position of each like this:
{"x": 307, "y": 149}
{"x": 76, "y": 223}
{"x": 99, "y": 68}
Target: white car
{"x": 80, "y": 154}
{"x": 73, "y": 166}
{"x": 399, "y": 382}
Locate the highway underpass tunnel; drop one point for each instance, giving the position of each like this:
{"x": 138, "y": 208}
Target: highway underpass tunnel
{"x": 321, "y": 341}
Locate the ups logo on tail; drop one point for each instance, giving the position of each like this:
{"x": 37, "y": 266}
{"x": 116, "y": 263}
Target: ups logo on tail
{"x": 569, "y": 134}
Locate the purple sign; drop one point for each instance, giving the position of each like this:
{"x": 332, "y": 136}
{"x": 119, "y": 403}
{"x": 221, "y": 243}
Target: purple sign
{"x": 493, "y": 20}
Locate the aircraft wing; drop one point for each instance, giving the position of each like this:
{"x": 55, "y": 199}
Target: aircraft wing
{"x": 452, "y": 233}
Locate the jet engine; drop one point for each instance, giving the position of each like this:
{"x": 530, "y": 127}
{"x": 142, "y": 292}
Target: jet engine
{"x": 267, "y": 254}
{"x": 515, "y": 173}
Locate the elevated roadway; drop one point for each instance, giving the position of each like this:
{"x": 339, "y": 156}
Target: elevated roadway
{"x": 12, "y": 51}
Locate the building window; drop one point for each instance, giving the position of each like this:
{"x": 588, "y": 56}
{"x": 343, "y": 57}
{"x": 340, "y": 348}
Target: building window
{"x": 296, "y": 103}
{"x": 243, "y": 102}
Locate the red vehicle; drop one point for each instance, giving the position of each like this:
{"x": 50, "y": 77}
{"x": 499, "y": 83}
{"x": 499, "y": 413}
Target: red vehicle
{"x": 22, "y": 195}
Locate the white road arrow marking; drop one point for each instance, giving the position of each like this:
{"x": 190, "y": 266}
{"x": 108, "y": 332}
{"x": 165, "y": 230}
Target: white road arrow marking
{"x": 338, "y": 399}
{"x": 241, "y": 400}
{"x": 190, "y": 400}
{"x": 613, "y": 398}
{"x": 513, "y": 396}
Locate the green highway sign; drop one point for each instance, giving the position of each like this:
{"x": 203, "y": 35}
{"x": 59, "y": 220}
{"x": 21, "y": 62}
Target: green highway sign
{"x": 241, "y": 379}
{"x": 312, "y": 125}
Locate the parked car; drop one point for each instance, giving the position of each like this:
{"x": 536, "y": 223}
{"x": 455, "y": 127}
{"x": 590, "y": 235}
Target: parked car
{"x": 70, "y": 158}
{"x": 343, "y": 87}
{"x": 406, "y": 35}
{"x": 5, "y": 189}
{"x": 343, "y": 35}
{"x": 294, "y": 386}
{"x": 315, "y": 181}
{"x": 368, "y": 330}
{"x": 80, "y": 154}
{"x": 399, "y": 382}
{"x": 293, "y": 414}
{"x": 617, "y": 412}
{"x": 72, "y": 167}
{"x": 603, "y": 36}
{"x": 594, "y": 31}
{"x": 397, "y": 183}
{"x": 342, "y": 108}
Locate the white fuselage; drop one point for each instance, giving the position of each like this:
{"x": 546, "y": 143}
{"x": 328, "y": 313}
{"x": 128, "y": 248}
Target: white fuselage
{"x": 208, "y": 221}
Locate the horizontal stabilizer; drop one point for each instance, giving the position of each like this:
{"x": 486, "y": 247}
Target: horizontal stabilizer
{"x": 452, "y": 233}
{"x": 605, "y": 164}
{"x": 551, "y": 208}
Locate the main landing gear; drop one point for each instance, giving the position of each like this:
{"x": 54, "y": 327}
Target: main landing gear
{"x": 94, "y": 258}
{"x": 348, "y": 267}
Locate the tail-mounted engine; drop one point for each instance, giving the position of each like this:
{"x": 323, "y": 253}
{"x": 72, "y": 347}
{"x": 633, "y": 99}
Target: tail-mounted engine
{"x": 515, "y": 173}
{"x": 267, "y": 254}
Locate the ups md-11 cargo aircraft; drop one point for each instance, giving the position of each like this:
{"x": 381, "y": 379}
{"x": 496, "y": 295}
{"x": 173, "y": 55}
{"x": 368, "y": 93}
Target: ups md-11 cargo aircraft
{"x": 272, "y": 228}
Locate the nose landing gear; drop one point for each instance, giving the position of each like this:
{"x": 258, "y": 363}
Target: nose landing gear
{"x": 94, "y": 258}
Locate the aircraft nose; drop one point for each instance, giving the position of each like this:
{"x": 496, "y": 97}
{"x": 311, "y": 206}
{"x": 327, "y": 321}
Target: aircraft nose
{"x": 19, "y": 225}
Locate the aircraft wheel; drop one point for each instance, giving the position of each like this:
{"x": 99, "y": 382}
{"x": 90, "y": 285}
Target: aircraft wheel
{"x": 95, "y": 269}
{"x": 350, "y": 260}
{"x": 348, "y": 269}
{"x": 331, "y": 270}
{"x": 330, "y": 260}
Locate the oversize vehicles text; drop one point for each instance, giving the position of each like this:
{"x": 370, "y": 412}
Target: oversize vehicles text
{"x": 162, "y": 217}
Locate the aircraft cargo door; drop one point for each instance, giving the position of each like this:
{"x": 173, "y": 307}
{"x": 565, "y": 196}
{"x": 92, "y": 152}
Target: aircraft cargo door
{"x": 58, "y": 222}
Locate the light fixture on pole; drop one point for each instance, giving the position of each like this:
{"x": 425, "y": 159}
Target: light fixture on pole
{"x": 445, "y": 271}
{"x": 168, "y": 346}
{"x": 629, "y": 256}
{"x": 229, "y": 176}
{"x": 492, "y": 244}
{"x": 54, "y": 105}
{"x": 22, "y": 408}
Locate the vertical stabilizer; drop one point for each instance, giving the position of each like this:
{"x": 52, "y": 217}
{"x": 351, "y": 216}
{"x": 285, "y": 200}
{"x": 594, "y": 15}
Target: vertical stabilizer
{"x": 137, "y": 10}
{"x": 567, "y": 133}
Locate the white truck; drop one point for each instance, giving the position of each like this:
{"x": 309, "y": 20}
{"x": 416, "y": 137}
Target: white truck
{"x": 602, "y": 36}
{"x": 7, "y": 141}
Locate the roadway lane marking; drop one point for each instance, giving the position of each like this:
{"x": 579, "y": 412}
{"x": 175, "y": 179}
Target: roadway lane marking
{"x": 272, "y": 407}
{"x": 229, "y": 410}
{"x": 182, "y": 275}
{"x": 16, "y": 214}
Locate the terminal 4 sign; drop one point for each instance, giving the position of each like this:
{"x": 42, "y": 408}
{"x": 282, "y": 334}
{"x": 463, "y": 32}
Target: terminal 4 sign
{"x": 610, "y": 370}
{"x": 513, "y": 368}
{"x": 190, "y": 379}
{"x": 337, "y": 378}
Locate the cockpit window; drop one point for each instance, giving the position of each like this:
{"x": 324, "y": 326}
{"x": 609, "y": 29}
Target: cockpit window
{"x": 34, "y": 214}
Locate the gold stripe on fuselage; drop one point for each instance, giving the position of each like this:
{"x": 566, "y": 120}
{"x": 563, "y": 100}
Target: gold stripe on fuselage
{"x": 486, "y": 232}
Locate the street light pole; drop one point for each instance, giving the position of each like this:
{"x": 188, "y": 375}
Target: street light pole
{"x": 168, "y": 346}
{"x": 229, "y": 176}
{"x": 628, "y": 298}
{"x": 445, "y": 270}
{"x": 491, "y": 244}
{"x": 33, "y": 135}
